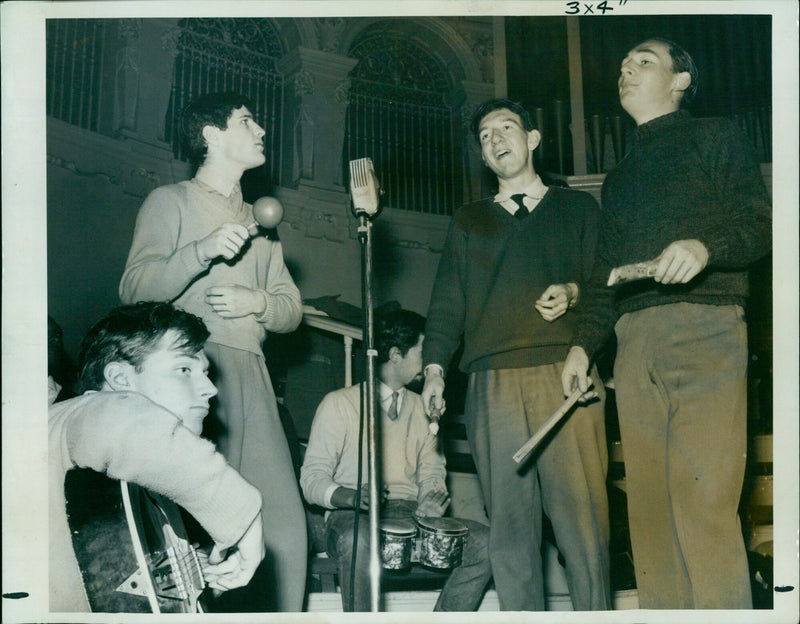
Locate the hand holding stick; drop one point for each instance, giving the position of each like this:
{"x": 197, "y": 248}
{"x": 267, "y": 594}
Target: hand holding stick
{"x": 551, "y": 422}
{"x": 436, "y": 414}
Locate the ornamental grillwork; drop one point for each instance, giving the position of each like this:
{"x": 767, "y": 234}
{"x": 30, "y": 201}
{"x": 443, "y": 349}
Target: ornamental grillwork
{"x": 397, "y": 115}
{"x": 230, "y": 54}
{"x": 394, "y": 66}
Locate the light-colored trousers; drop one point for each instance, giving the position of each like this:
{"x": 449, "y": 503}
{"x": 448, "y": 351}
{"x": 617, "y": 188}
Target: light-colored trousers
{"x": 253, "y": 442}
{"x": 680, "y": 376}
{"x": 567, "y": 481}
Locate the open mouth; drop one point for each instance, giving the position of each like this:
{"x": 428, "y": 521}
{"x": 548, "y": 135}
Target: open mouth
{"x": 499, "y": 155}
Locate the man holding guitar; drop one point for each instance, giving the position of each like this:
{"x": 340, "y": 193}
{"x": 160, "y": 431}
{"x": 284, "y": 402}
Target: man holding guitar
{"x": 143, "y": 375}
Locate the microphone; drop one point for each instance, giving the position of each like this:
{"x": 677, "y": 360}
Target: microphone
{"x": 364, "y": 187}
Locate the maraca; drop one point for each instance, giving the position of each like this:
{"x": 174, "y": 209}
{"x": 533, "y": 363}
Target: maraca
{"x": 267, "y": 212}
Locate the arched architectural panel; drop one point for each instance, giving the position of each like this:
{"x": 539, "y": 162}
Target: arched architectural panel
{"x": 405, "y": 103}
{"x": 239, "y": 37}
{"x": 437, "y": 37}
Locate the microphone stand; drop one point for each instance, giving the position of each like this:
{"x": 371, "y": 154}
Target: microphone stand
{"x": 371, "y": 402}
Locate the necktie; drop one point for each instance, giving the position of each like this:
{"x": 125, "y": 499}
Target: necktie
{"x": 522, "y": 211}
{"x": 392, "y": 413}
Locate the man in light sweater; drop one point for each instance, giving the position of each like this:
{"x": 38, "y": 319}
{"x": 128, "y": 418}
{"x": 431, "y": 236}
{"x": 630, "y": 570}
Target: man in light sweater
{"x": 143, "y": 375}
{"x": 413, "y": 469}
{"x": 191, "y": 246}
{"x": 509, "y": 283}
{"x": 690, "y": 199}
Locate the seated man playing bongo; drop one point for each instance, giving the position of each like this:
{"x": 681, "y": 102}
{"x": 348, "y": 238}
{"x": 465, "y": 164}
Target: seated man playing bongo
{"x": 412, "y": 468}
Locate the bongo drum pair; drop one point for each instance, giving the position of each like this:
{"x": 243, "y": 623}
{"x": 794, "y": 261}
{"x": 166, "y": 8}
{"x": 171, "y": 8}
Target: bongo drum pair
{"x": 433, "y": 542}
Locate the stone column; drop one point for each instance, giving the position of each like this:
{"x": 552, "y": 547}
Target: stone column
{"x": 317, "y": 96}
{"x": 476, "y": 94}
{"x": 143, "y": 78}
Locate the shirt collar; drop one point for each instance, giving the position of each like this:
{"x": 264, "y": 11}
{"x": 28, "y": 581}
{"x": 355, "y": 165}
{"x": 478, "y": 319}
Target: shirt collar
{"x": 385, "y": 393}
{"x": 535, "y": 189}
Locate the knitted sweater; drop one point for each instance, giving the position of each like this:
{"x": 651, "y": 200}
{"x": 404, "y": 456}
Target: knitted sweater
{"x": 683, "y": 178}
{"x": 412, "y": 465}
{"x": 163, "y": 264}
{"x": 127, "y": 436}
{"x": 492, "y": 270}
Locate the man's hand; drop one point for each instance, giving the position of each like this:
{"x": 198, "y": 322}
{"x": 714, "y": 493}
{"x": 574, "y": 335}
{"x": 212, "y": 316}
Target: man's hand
{"x": 556, "y": 300}
{"x": 234, "y": 301}
{"x": 345, "y": 497}
{"x": 383, "y": 494}
{"x": 225, "y": 242}
{"x": 433, "y": 503}
{"x": 681, "y": 261}
{"x": 433, "y": 390}
{"x": 229, "y": 568}
{"x": 576, "y": 374}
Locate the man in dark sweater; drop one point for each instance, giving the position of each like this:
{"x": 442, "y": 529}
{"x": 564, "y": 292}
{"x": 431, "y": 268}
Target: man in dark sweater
{"x": 508, "y": 284}
{"x": 690, "y": 199}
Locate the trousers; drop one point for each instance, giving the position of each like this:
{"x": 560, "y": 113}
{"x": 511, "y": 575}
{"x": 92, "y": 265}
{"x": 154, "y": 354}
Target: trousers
{"x": 464, "y": 588}
{"x": 566, "y": 480}
{"x": 252, "y": 439}
{"x": 680, "y": 375}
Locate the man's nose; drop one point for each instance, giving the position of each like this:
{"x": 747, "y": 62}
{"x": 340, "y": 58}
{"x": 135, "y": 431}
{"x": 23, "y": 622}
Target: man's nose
{"x": 207, "y": 388}
{"x": 626, "y": 69}
{"x": 259, "y": 131}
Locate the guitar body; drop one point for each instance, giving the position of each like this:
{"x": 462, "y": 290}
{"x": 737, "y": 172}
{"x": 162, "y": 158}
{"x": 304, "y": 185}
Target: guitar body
{"x": 131, "y": 547}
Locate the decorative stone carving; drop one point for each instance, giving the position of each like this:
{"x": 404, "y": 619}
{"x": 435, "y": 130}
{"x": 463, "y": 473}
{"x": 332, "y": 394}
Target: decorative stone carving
{"x": 170, "y": 40}
{"x": 126, "y": 77}
{"x": 303, "y": 83}
{"x": 329, "y": 32}
{"x": 342, "y": 92}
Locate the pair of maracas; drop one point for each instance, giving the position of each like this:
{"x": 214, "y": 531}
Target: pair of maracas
{"x": 267, "y": 212}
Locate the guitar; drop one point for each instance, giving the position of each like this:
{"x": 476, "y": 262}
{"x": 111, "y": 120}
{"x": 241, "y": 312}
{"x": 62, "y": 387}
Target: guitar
{"x": 131, "y": 547}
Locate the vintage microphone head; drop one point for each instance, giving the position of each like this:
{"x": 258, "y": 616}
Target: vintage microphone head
{"x": 365, "y": 189}
{"x": 267, "y": 212}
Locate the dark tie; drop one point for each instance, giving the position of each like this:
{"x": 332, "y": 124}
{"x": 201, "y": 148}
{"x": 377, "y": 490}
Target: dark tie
{"x": 392, "y": 413}
{"x": 522, "y": 211}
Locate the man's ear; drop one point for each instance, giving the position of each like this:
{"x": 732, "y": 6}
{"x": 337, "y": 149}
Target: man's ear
{"x": 682, "y": 81}
{"x": 394, "y": 354}
{"x": 211, "y": 134}
{"x": 534, "y": 138}
{"x": 118, "y": 375}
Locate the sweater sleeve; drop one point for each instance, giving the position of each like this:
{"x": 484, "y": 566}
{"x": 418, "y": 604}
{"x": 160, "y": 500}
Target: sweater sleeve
{"x": 745, "y": 235}
{"x": 157, "y": 269}
{"x": 590, "y": 226}
{"x": 284, "y": 306}
{"x": 128, "y": 437}
{"x": 596, "y": 309}
{"x": 446, "y": 312}
{"x": 326, "y": 443}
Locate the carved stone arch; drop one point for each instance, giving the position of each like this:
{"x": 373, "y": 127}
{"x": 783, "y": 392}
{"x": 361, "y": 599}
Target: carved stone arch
{"x": 306, "y": 33}
{"x": 436, "y": 37}
{"x": 239, "y": 36}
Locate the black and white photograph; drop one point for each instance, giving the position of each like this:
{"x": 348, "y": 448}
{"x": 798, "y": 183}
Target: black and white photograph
{"x": 446, "y": 311}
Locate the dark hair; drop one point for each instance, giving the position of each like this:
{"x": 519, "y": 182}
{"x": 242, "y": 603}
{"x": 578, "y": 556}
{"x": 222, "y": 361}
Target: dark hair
{"x": 59, "y": 364}
{"x": 129, "y": 333}
{"x": 211, "y": 109}
{"x": 496, "y": 104}
{"x": 397, "y": 328}
{"x": 681, "y": 62}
